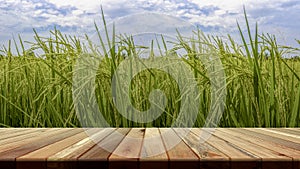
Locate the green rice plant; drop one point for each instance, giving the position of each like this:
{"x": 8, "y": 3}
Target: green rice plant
{"x": 262, "y": 82}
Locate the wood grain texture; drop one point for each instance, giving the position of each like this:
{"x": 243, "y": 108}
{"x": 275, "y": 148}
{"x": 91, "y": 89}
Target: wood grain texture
{"x": 294, "y": 131}
{"x": 21, "y": 138}
{"x": 246, "y": 145}
{"x": 128, "y": 151}
{"x": 153, "y": 147}
{"x": 145, "y": 148}
{"x": 264, "y": 136}
{"x": 13, "y": 132}
{"x": 153, "y": 152}
{"x": 269, "y": 158}
{"x": 11, "y": 149}
{"x": 179, "y": 152}
{"x": 284, "y": 151}
{"x": 278, "y": 134}
{"x": 32, "y": 144}
{"x": 98, "y": 155}
{"x": 74, "y": 151}
{"x": 226, "y": 154}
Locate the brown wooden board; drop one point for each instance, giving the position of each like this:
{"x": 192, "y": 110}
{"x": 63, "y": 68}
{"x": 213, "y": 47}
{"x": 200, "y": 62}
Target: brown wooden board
{"x": 74, "y": 151}
{"x": 21, "y": 139}
{"x": 35, "y": 143}
{"x": 288, "y": 130}
{"x": 97, "y": 157}
{"x": 285, "y": 136}
{"x": 225, "y": 154}
{"x": 284, "y": 142}
{"x": 282, "y": 150}
{"x": 68, "y": 157}
{"x": 153, "y": 153}
{"x": 140, "y": 148}
{"x": 13, "y": 132}
{"x": 180, "y": 155}
{"x": 270, "y": 158}
{"x": 127, "y": 154}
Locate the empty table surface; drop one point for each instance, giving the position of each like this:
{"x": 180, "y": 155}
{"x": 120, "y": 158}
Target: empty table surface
{"x": 166, "y": 148}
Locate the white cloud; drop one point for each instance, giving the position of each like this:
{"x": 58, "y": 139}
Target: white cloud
{"x": 19, "y": 16}
{"x": 88, "y": 5}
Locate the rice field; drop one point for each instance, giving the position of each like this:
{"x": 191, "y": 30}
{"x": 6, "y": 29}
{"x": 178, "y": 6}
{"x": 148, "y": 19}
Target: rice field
{"x": 262, "y": 80}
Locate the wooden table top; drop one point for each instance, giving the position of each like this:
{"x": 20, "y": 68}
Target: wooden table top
{"x": 226, "y": 148}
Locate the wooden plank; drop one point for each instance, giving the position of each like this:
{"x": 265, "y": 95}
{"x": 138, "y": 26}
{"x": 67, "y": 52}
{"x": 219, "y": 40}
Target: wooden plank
{"x": 294, "y": 129}
{"x": 288, "y": 130}
{"x": 21, "y": 135}
{"x": 284, "y": 133}
{"x": 203, "y": 150}
{"x": 153, "y": 153}
{"x": 10, "y": 130}
{"x": 229, "y": 154}
{"x": 246, "y": 145}
{"x": 153, "y": 144}
{"x": 281, "y": 150}
{"x": 6, "y": 133}
{"x": 97, "y": 157}
{"x": 294, "y": 154}
{"x": 284, "y": 136}
{"x": 126, "y": 155}
{"x": 73, "y": 152}
{"x": 180, "y": 156}
{"x": 37, "y": 143}
{"x": 68, "y": 157}
{"x": 39, "y": 156}
{"x": 10, "y": 143}
{"x": 276, "y": 140}
{"x": 209, "y": 156}
{"x": 35, "y": 136}
{"x": 226, "y": 148}
{"x": 269, "y": 158}
{"x": 21, "y": 140}
{"x": 44, "y": 152}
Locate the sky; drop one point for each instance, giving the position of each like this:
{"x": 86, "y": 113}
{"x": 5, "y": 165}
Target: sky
{"x": 76, "y": 17}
